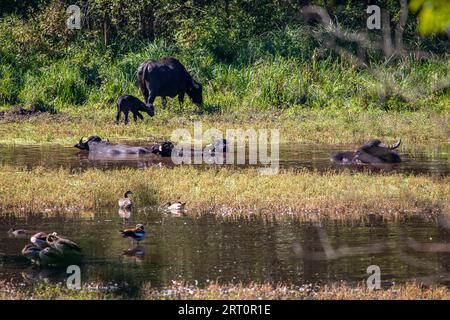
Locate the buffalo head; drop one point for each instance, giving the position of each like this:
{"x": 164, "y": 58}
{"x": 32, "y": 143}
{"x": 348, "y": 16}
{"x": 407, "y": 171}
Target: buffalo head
{"x": 150, "y": 109}
{"x": 163, "y": 149}
{"x": 372, "y": 152}
{"x": 195, "y": 92}
{"x": 85, "y": 145}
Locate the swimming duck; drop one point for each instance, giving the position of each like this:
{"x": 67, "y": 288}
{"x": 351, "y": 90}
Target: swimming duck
{"x": 175, "y": 207}
{"x": 40, "y": 240}
{"x": 125, "y": 202}
{"x": 61, "y": 244}
{"x": 31, "y": 252}
{"x": 17, "y": 232}
{"x": 137, "y": 233}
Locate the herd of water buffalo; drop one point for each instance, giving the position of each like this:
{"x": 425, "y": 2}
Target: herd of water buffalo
{"x": 168, "y": 77}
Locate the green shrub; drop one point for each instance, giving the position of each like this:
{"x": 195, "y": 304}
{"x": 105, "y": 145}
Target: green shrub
{"x": 58, "y": 85}
{"x": 9, "y": 84}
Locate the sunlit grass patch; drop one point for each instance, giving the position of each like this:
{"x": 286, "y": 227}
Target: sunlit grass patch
{"x": 267, "y": 291}
{"x": 216, "y": 291}
{"x": 309, "y": 195}
{"x": 312, "y": 126}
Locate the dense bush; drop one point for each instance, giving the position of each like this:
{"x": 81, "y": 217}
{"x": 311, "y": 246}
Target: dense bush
{"x": 250, "y": 55}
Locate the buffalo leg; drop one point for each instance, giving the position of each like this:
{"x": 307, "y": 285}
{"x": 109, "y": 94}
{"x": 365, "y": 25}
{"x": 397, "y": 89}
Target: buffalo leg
{"x": 136, "y": 115}
{"x": 126, "y": 116}
{"x": 181, "y": 99}
{"x": 118, "y": 115}
{"x": 150, "y": 100}
{"x": 164, "y": 102}
{"x": 144, "y": 90}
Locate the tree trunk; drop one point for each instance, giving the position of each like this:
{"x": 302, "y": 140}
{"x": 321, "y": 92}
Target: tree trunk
{"x": 106, "y": 29}
{"x": 149, "y": 20}
{"x": 227, "y": 12}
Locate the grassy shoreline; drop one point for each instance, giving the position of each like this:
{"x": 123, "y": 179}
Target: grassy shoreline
{"x": 307, "y": 195}
{"x": 214, "y": 291}
{"x": 327, "y": 126}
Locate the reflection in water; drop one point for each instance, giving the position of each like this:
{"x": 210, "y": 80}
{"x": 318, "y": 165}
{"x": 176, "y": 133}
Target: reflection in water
{"x": 135, "y": 254}
{"x": 434, "y": 160}
{"x": 43, "y": 274}
{"x": 208, "y": 247}
{"x": 125, "y": 214}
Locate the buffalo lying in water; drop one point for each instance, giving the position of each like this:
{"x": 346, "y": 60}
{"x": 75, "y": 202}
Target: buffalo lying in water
{"x": 167, "y": 149}
{"x": 372, "y": 152}
{"x": 95, "y": 144}
{"x": 167, "y": 77}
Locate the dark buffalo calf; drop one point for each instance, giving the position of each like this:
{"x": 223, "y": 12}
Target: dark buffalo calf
{"x": 127, "y": 103}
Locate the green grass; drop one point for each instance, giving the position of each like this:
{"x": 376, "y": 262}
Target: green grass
{"x": 307, "y": 195}
{"x": 284, "y": 71}
{"x": 270, "y": 83}
{"x": 282, "y": 81}
{"x": 329, "y": 126}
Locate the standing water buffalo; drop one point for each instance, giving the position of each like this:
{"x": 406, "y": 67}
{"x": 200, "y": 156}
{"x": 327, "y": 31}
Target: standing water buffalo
{"x": 167, "y": 77}
{"x": 127, "y": 103}
{"x": 372, "y": 152}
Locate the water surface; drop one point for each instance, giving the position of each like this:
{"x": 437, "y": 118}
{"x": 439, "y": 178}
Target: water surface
{"x": 432, "y": 160}
{"x": 212, "y": 248}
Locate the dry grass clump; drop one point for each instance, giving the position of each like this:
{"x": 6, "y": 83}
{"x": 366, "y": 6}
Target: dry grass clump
{"x": 310, "y": 195}
{"x": 215, "y": 291}
{"x": 409, "y": 291}
{"x": 253, "y": 291}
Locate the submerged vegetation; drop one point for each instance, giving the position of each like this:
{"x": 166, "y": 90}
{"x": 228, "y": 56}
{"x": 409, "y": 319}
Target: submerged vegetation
{"x": 310, "y": 195}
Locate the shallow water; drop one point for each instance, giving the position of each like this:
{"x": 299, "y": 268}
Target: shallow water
{"x": 210, "y": 247}
{"x": 432, "y": 160}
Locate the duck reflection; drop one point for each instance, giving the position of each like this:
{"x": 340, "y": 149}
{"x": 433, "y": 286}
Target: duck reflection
{"x": 134, "y": 254}
{"x": 43, "y": 274}
{"x": 125, "y": 214}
